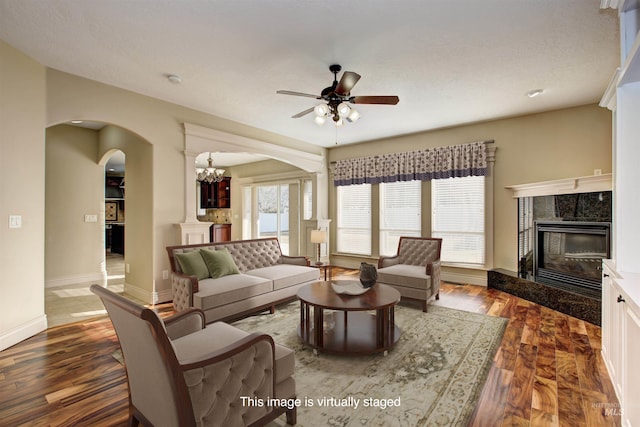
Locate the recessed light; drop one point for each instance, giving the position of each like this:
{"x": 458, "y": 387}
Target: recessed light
{"x": 535, "y": 92}
{"x": 174, "y": 79}
{"x": 77, "y": 122}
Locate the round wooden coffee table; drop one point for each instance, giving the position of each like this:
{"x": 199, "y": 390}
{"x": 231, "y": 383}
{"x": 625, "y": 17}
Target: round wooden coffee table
{"x": 350, "y": 328}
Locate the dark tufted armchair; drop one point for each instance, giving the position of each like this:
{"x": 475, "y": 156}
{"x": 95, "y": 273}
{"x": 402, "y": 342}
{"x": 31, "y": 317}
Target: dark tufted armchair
{"x": 181, "y": 373}
{"x": 415, "y": 270}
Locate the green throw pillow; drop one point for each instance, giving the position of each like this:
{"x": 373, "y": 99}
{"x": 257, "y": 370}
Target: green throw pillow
{"x": 192, "y": 264}
{"x": 220, "y": 263}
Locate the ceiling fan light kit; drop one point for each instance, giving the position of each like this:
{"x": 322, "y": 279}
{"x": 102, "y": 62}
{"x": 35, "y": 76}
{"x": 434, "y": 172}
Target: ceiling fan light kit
{"x": 337, "y": 98}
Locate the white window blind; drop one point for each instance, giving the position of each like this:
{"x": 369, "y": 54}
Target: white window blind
{"x": 525, "y": 227}
{"x": 400, "y": 210}
{"x": 247, "y": 206}
{"x": 354, "y": 219}
{"x": 457, "y": 209}
{"x": 307, "y": 199}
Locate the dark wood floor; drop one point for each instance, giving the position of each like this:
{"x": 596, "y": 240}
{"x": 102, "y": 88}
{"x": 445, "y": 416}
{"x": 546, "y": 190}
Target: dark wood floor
{"x": 548, "y": 370}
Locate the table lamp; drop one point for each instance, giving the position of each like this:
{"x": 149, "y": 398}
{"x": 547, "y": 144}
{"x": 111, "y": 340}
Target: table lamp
{"x": 318, "y": 237}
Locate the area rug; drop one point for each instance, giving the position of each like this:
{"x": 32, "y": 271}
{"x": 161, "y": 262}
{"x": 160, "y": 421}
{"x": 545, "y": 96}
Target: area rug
{"x": 433, "y": 376}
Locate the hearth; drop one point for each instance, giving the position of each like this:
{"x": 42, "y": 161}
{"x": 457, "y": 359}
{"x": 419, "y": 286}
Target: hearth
{"x": 569, "y": 254}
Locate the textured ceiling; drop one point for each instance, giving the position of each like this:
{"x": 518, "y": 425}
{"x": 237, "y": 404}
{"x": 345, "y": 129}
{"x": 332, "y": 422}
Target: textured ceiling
{"x": 450, "y": 61}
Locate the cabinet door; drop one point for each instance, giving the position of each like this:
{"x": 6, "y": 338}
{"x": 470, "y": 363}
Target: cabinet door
{"x": 221, "y": 232}
{"x": 630, "y": 406}
{"x": 223, "y": 193}
{"x": 616, "y": 330}
{"x": 207, "y": 195}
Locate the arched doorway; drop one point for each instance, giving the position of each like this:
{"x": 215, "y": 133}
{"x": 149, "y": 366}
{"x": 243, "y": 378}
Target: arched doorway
{"x": 79, "y": 210}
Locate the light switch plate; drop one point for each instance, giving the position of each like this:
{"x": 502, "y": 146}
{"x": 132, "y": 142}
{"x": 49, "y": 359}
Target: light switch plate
{"x": 90, "y": 218}
{"x": 15, "y": 221}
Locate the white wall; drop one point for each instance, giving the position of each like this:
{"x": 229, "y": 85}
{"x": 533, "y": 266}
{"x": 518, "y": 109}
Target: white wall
{"x": 72, "y": 193}
{"x": 22, "y": 162}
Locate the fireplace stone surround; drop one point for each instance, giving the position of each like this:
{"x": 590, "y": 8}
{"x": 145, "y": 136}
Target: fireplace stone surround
{"x": 576, "y": 201}
{"x": 583, "y": 307}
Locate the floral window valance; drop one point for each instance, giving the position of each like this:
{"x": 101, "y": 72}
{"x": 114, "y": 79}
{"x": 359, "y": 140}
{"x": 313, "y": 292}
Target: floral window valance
{"x": 423, "y": 165}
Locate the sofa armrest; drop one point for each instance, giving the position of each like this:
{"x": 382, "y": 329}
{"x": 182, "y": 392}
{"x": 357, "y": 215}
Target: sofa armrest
{"x": 184, "y": 323}
{"x": 434, "y": 269}
{"x": 182, "y": 289}
{"x": 296, "y": 260}
{"x": 387, "y": 261}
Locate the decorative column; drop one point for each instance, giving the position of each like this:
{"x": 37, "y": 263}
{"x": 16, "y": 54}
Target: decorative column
{"x": 488, "y": 207}
{"x": 192, "y": 231}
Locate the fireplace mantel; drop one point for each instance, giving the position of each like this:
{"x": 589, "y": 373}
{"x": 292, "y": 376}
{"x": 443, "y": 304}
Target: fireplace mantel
{"x": 585, "y": 184}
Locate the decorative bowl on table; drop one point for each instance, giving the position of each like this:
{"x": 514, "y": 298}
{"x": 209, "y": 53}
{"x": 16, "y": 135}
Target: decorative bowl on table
{"x": 348, "y": 287}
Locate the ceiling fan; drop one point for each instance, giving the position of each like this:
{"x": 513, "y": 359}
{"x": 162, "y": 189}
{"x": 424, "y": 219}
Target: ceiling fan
{"x": 337, "y": 98}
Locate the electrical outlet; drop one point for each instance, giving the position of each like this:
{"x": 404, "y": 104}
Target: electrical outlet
{"x": 597, "y": 171}
{"x": 15, "y": 221}
{"x": 91, "y": 218}
{"x": 127, "y": 268}
{"x": 165, "y": 274}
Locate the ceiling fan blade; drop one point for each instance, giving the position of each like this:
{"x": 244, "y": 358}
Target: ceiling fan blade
{"x": 389, "y": 100}
{"x": 289, "y": 92}
{"x": 347, "y": 82}
{"x": 302, "y": 113}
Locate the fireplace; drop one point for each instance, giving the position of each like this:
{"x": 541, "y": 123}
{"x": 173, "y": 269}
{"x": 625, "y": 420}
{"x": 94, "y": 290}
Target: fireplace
{"x": 563, "y": 235}
{"x": 569, "y": 254}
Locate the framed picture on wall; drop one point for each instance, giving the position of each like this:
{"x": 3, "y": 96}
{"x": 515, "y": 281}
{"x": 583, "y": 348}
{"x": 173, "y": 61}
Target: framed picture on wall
{"x": 110, "y": 211}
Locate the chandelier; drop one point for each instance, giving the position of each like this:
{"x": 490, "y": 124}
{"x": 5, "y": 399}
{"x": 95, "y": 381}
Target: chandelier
{"x": 209, "y": 174}
{"x": 336, "y": 110}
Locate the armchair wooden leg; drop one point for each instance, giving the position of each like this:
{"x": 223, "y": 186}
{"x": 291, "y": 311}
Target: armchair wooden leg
{"x": 292, "y": 416}
{"x": 438, "y": 296}
{"x": 424, "y": 306}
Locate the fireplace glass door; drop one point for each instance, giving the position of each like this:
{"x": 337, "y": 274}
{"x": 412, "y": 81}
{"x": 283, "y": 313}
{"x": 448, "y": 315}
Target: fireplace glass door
{"x": 571, "y": 253}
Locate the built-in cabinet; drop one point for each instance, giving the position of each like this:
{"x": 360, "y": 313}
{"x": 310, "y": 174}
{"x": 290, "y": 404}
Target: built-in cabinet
{"x": 216, "y": 195}
{"x": 620, "y": 343}
{"x": 612, "y": 325}
{"x": 621, "y": 276}
{"x": 114, "y": 213}
{"x": 220, "y": 233}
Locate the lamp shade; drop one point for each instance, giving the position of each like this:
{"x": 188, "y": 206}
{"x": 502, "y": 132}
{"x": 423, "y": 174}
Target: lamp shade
{"x": 318, "y": 236}
{"x": 321, "y": 109}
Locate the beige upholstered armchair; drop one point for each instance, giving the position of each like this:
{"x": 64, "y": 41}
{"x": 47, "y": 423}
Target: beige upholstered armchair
{"x": 415, "y": 270}
{"x": 182, "y": 373}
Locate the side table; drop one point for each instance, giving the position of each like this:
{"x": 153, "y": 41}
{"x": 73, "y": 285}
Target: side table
{"x": 324, "y": 266}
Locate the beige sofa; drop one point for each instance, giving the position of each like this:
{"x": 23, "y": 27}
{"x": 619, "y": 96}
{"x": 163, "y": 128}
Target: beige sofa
{"x": 415, "y": 270}
{"x": 262, "y": 277}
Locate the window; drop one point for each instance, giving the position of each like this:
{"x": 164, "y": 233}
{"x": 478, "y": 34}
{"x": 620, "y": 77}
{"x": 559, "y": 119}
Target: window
{"x": 247, "y": 204}
{"x": 273, "y": 213}
{"x": 525, "y": 228}
{"x": 399, "y": 213}
{"x": 354, "y": 219}
{"x": 307, "y": 199}
{"x": 457, "y": 209}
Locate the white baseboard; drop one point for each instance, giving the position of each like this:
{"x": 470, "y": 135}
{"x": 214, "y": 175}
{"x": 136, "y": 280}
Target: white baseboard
{"x": 139, "y": 293}
{"x": 480, "y": 278}
{"x": 22, "y": 332}
{"x": 164, "y": 296}
{"x": 76, "y": 279}
{"x": 146, "y": 296}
